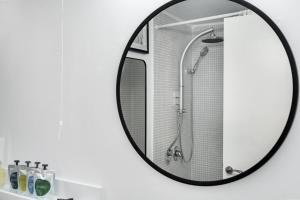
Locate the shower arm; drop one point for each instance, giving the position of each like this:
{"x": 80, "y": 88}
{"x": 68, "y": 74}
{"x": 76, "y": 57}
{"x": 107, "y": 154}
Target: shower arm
{"x": 181, "y": 110}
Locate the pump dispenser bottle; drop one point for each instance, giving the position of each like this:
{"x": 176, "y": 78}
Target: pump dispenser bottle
{"x": 31, "y": 178}
{"x": 22, "y": 178}
{"x": 44, "y": 182}
{"x": 13, "y": 171}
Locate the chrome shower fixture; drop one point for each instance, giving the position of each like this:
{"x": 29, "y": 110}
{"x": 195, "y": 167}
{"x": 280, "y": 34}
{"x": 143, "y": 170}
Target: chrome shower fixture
{"x": 203, "y": 53}
{"x": 203, "y": 33}
{"x": 180, "y": 110}
{"x": 175, "y": 154}
{"x": 177, "y": 151}
{"x": 213, "y": 39}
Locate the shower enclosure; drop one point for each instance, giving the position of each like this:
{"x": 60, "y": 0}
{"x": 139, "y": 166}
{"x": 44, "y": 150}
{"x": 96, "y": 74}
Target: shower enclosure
{"x": 188, "y": 96}
{"x": 180, "y": 112}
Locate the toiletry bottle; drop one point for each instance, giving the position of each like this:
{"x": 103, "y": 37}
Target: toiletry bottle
{"x": 13, "y": 171}
{"x": 22, "y": 178}
{"x": 2, "y": 176}
{"x": 44, "y": 182}
{"x": 28, "y": 169}
{"x": 31, "y": 178}
{"x": 51, "y": 175}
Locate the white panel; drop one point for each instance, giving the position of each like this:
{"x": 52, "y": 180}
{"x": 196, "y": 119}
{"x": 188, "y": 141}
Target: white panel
{"x": 257, "y": 90}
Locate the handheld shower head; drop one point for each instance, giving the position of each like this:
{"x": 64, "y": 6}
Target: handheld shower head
{"x": 203, "y": 52}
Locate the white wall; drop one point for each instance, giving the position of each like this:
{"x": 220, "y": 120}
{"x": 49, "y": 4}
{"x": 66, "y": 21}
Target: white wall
{"x": 30, "y": 55}
{"x": 94, "y": 148}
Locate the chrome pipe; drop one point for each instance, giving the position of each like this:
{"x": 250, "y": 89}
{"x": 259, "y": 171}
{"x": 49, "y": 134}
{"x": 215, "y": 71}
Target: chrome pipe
{"x": 181, "y": 109}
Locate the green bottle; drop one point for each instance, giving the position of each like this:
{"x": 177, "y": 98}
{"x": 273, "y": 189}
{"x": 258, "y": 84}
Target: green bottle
{"x": 44, "y": 182}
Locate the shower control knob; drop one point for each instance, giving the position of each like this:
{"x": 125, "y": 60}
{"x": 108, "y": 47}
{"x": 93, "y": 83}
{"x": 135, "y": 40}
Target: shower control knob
{"x": 177, "y": 153}
{"x": 230, "y": 170}
{"x": 169, "y": 155}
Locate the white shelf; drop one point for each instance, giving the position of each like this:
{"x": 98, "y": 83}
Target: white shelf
{"x": 63, "y": 189}
{"x": 7, "y": 195}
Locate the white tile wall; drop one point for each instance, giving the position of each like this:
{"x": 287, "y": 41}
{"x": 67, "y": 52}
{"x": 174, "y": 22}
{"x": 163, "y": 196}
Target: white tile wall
{"x": 207, "y": 162}
{"x": 168, "y": 46}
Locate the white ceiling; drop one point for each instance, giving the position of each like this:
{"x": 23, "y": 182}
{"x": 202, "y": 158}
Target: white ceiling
{"x": 192, "y": 9}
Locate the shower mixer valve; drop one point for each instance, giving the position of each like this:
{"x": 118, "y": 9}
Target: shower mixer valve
{"x": 169, "y": 156}
{"x": 181, "y": 111}
{"x": 176, "y": 154}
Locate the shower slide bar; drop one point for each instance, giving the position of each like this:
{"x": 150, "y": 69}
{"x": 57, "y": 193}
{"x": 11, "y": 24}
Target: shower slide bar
{"x": 239, "y": 13}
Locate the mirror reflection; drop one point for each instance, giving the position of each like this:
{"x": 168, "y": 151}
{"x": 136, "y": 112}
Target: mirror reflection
{"x": 133, "y": 99}
{"x": 219, "y": 90}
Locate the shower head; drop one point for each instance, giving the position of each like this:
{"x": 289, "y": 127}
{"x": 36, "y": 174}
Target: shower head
{"x": 204, "y": 51}
{"x": 213, "y": 39}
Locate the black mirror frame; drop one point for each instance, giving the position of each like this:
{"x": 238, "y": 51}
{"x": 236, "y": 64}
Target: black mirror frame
{"x": 285, "y": 130}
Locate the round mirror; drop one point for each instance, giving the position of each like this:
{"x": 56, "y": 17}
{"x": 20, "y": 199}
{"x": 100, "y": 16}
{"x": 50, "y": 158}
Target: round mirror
{"x": 207, "y": 90}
